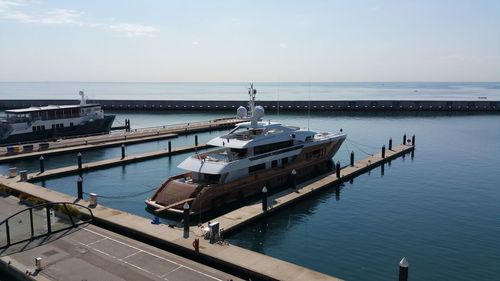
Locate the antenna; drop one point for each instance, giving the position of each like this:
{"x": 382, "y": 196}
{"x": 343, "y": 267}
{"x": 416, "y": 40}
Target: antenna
{"x": 278, "y": 105}
{"x": 309, "y": 107}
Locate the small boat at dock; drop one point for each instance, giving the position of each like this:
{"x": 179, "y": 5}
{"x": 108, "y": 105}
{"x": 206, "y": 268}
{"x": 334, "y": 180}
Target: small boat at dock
{"x": 252, "y": 155}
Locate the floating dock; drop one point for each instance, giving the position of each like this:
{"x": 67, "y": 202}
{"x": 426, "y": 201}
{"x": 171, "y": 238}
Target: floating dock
{"x": 117, "y": 139}
{"x": 284, "y": 105}
{"x": 71, "y": 170}
{"x": 247, "y": 214}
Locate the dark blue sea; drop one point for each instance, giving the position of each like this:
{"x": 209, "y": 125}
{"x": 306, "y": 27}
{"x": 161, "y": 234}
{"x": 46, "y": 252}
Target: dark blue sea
{"x": 440, "y": 208}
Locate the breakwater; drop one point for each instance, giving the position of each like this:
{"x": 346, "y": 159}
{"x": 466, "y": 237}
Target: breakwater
{"x": 285, "y": 105}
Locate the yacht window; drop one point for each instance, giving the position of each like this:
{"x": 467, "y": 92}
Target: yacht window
{"x": 43, "y": 127}
{"x": 211, "y": 178}
{"x": 272, "y": 146}
{"x": 274, "y": 164}
{"x": 284, "y": 161}
{"x": 256, "y": 168}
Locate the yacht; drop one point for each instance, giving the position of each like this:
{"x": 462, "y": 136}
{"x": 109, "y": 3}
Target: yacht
{"x": 53, "y": 122}
{"x": 254, "y": 154}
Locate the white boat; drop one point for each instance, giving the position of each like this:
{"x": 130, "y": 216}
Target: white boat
{"x": 53, "y": 122}
{"x": 253, "y": 155}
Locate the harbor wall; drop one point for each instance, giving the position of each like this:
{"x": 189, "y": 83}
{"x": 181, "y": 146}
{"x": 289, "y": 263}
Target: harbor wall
{"x": 285, "y": 105}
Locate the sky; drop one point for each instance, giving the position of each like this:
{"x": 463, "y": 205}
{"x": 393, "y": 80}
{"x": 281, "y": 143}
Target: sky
{"x": 250, "y": 40}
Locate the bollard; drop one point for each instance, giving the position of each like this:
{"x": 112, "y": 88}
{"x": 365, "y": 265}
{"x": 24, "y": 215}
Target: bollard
{"x": 413, "y": 140}
{"x": 403, "y": 270}
{"x": 79, "y": 187}
{"x": 383, "y": 151}
{"x": 186, "y": 219}
{"x": 79, "y": 160}
{"x": 38, "y": 263}
{"x": 42, "y": 166}
{"x": 352, "y": 158}
{"x": 390, "y": 144}
{"x": 404, "y": 139}
{"x": 337, "y": 169}
{"x": 264, "y": 199}
{"x": 92, "y": 200}
{"x": 196, "y": 245}
{"x": 293, "y": 177}
{"x": 169, "y": 146}
{"x": 196, "y": 140}
{"x": 123, "y": 151}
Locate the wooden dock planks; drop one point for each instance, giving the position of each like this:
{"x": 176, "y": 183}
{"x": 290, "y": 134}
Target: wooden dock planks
{"x": 69, "y": 170}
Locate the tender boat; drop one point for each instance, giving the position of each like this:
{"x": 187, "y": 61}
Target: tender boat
{"x": 53, "y": 122}
{"x": 253, "y": 155}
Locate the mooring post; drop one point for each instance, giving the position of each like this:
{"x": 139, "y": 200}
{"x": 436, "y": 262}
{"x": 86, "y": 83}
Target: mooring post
{"x": 413, "y": 140}
{"x": 293, "y": 176}
{"x": 186, "y": 219}
{"x": 404, "y": 139}
{"x": 403, "y": 270}
{"x": 42, "y": 165}
{"x": 169, "y": 146}
{"x": 352, "y": 158}
{"x": 79, "y": 160}
{"x": 337, "y": 169}
{"x": 264, "y": 199}
{"x": 123, "y": 151}
{"x": 79, "y": 187}
{"x": 390, "y": 144}
{"x": 383, "y": 151}
{"x": 196, "y": 140}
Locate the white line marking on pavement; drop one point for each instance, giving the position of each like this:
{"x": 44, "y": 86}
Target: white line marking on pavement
{"x": 130, "y": 255}
{"x": 154, "y": 255}
{"x": 97, "y": 241}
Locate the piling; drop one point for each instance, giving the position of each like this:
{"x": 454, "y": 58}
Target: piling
{"x": 413, "y": 140}
{"x": 42, "y": 165}
{"x": 186, "y": 219}
{"x": 404, "y": 139}
{"x": 403, "y": 270}
{"x": 390, "y": 144}
{"x": 123, "y": 151}
{"x": 169, "y": 146}
{"x": 383, "y": 151}
{"x": 352, "y": 158}
{"x": 79, "y": 160}
{"x": 264, "y": 199}
{"x": 196, "y": 140}
{"x": 337, "y": 169}
{"x": 79, "y": 187}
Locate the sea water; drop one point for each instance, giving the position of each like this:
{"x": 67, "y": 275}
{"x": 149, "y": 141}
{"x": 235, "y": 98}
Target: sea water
{"x": 440, "y": 208}
{"x": 266, "y": 90}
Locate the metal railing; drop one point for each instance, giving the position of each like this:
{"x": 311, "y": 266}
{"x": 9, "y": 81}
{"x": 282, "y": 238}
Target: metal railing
{"x": 42, "y": 220}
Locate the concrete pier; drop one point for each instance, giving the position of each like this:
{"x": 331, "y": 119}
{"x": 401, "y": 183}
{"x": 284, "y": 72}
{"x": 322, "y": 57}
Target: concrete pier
{"x": 284, "y": 105}
{"x": 69, "y": 170}
{"x": 233, "y": 258}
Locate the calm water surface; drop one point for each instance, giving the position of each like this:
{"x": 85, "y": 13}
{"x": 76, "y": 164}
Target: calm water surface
{"x": 440, "y": 209}
{"x": 267, "y": 91}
